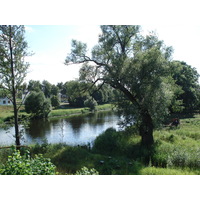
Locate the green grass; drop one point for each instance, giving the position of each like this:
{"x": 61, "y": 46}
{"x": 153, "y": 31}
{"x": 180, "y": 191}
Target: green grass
{"x": 5, "y": 111}
{"x": 176, "y": 152}
{"x": 165, "y": 171}
{"x": 66, "y": 111}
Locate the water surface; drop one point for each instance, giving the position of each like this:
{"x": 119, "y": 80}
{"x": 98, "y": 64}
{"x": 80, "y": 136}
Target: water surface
{"x": 76, "y": 130}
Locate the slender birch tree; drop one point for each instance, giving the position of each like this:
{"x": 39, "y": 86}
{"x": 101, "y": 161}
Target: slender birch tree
{"x": 13, "y": 68}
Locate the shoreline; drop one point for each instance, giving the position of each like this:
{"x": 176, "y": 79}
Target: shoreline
{"x": 7, "y": 112}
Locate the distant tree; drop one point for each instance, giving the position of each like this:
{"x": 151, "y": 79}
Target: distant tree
{"x": 77, "y": 93}
{"x": 37, "y": 105}
{"x": 187, "y": 78}
{"x": 135, "y": 65}
{"x": 13, "y": 68}
{"x": 90, "y": 103}
{"x": 46, "y": 88}
{"x": 60, "y": 85}
{"x": 55, "y": 101}
{"x": 54, "y": 90}
{"x": 34, "y": 86}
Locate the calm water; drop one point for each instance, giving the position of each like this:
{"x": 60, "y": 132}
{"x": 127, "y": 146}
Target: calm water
{"x": 76, "y": 130}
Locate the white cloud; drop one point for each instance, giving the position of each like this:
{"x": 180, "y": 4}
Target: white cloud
{"x": 29, "y": 29}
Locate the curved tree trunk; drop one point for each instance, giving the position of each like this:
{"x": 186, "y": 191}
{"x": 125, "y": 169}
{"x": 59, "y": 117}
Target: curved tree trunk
{"x": 146, "y": 129}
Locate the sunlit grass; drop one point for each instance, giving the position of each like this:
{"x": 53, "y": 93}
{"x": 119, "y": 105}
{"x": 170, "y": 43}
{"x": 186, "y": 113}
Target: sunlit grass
{"x": 165, "y": 171}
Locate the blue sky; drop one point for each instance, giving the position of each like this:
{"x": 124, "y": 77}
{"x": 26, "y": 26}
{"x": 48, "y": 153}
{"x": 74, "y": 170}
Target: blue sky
{"x": 52, "y": 43}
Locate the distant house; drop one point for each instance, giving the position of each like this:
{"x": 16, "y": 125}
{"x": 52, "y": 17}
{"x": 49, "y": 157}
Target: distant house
{"x": 5, "y": 101}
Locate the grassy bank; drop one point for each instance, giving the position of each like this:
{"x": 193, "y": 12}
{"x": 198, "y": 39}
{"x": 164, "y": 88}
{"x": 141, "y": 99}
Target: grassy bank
{"x": 67, "y": 110}
{"x": 176, "y": 152}
{"x": 7, "y": 111}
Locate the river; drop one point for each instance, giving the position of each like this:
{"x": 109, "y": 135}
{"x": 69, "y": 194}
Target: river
{"x": 74, "y": 130}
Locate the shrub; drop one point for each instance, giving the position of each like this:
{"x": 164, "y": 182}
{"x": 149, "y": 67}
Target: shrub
{"x": 90, "y": 103}
{"x": 37, "y": 104}
{"x": 86, "y": 171}
{"x": 25, "y": 165}
{"x": 55, "y": 101}
{"x": 106, "y": 143}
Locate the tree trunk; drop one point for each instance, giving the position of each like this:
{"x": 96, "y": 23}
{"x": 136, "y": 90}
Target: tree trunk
{"x": 17, "y": 136}
{"x": 146, "y": 129}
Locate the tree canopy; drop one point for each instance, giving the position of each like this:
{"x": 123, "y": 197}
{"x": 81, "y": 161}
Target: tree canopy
{"x": 137, "y": 66}
{"x": 37, "y": 105}
{"x": 186, "y": 77}
{"x": 13, "y": 68}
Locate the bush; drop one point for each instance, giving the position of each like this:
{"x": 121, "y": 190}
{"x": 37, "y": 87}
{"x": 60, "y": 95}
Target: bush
{"x": 55, "y": 101}
{"x": 86, "y": 171}
{"x": 37, "y": 104}
{"x": 25, "y": 165}
{"x": 90, "y": 103}
{"x": 108, "y": 142}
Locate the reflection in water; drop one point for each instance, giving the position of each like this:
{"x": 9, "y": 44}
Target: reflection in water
{"x": 76, "y": 130}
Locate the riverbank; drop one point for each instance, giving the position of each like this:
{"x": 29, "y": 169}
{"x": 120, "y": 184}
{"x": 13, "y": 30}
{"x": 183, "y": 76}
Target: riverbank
{"x": 6, "y": 112}
{"x": 67, "y": 111}
{"x": 176, "y": 152}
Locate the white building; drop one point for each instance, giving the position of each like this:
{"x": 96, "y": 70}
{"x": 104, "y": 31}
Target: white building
{"x": 5, "y": 101}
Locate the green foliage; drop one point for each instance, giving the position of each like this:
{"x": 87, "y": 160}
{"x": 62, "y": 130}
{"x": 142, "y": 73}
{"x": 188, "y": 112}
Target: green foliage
{"x": 110, "y": 142}
{"x": 77, "y": 94}
{"x": 164, "y": 171}
{"x": 54, "y": 90}
{"x": 86, "y": 171}
{"x": 37, "y": 104}
{"x": 10, "y": 35}
{"x": 46, "y": 88}
{"x": 90, "y": 103}
{"x": 13, "y": 68}
{"x": 135, "y": 65}
{"x": 68, "y": 158}
{"x": 186, "y": 78}
{"x": 34, "y": 86}
{"x": 25, "y": 165}
{"x": 55, "y": 101}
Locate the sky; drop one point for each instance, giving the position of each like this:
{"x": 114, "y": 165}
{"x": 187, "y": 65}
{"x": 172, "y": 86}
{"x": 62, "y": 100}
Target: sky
{"x": 50, "y": 45}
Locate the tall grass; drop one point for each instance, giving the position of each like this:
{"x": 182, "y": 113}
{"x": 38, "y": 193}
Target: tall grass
{"x": 176, "y": 152}
{"x": 165, "y": 171}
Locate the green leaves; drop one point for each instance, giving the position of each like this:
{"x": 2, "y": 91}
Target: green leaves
{"x": 86, "y": 171}
{"x": 25, "y": 165}
{"x": 37, "y": 104}
{"x": 78, "y": 52}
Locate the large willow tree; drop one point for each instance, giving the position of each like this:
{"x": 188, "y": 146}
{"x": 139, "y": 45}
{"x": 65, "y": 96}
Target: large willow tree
{"x": 13, "y": 68}
{"x": 137, "y": 66}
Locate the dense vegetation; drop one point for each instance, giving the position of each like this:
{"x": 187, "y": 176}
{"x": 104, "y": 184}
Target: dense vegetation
{"x": 176, "y": 151}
